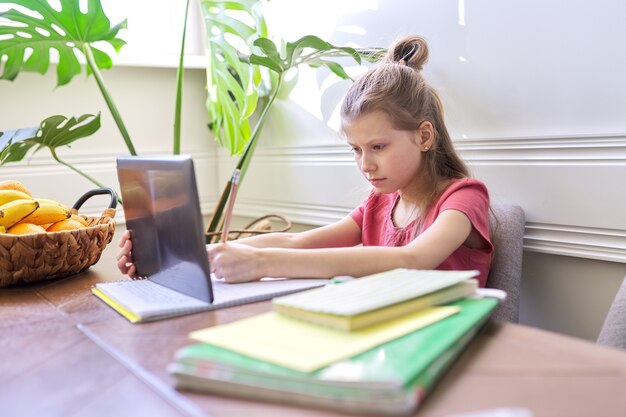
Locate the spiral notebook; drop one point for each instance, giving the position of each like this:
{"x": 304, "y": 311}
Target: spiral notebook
{"x": 162, "y": 212}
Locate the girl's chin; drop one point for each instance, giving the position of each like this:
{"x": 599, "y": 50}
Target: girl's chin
{"x": 384, "y": 190}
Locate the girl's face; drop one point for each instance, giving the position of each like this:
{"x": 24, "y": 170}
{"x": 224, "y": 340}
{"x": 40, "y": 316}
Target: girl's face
{"x": 389, "y": 159}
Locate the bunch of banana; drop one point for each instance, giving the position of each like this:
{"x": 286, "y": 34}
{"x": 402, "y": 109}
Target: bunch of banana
{"x": 20, "y": 213}
{"x": 14, "y": 211}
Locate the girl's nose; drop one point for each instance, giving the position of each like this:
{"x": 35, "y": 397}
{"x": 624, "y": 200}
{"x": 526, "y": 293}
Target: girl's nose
{"x": 367, "y": 164}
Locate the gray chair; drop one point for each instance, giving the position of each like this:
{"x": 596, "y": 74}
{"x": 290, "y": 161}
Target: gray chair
{"x": 507, "y": 222}
{"x": 613, "y": 332}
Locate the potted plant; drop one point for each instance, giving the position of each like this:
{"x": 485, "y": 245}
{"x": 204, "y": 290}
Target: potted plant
{"x": 244, "y": 77}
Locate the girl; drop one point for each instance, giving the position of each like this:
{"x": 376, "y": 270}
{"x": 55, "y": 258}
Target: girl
{"x": 423, "y": 211}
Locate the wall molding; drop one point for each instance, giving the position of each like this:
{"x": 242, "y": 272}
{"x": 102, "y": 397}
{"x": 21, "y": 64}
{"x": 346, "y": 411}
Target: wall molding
{"x": 579, "y": 149}
{"x": 581, "y": 242}
{"x": 44, "y": 175}
{"x": 309, "y": 214}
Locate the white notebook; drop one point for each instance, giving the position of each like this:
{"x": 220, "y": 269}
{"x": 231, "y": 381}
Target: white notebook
{"x": 374, "y": 291}
{"x": 144, "y": 300}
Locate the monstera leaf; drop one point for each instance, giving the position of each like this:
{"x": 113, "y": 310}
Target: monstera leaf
{"x": 312, "y": 51}
{"x": 234, "y": 86}
{"x": 54, "y": 132}
{"x": 67, "y": 31}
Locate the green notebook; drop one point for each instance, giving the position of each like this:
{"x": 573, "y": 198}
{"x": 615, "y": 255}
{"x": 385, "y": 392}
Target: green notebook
{"x": 390, "y": 379}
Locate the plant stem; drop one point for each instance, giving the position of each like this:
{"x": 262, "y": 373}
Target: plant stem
{"x": 179, "y": 87}
{"x": 78, "y": 171}
{"x": 243, "y": 163}
{"x": 107, "y": 97}
{"x": 245, "y": 159}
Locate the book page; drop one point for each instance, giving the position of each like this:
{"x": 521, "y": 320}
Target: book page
{"x": 144, "y": 298}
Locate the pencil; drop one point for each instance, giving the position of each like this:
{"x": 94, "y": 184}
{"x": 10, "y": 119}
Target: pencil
{"x": 234, "y": 185}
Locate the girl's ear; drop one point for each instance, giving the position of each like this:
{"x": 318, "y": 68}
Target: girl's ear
{"x": 426, "y": 136}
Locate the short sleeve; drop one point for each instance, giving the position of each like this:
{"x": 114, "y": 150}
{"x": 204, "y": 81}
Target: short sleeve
{"x": 358, "y": 213}
{"x": 470, "y": 197}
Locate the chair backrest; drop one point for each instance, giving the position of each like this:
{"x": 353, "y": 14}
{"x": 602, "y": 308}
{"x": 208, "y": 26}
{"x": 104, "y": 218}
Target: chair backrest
{"x": 507, "y": 236}
{"x": 613, "y": 332}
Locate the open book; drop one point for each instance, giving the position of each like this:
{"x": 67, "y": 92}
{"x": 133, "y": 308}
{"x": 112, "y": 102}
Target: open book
{"x": 370, "y": 300}
{"x": 145, "y": 300}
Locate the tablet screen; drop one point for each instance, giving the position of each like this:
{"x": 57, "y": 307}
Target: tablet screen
{"x": 162, "y": 211}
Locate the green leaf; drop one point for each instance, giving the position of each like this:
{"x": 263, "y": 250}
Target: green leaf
{"x": 53, "y": 132}
{"x": 65, "y": 31}
{"x": 233, "y": 85}
{"x": 336, "y": 69}
{"x": 267, "y": 62}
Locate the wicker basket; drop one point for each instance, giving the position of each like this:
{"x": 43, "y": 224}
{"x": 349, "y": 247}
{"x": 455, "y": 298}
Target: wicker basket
{"x": 41, "y": 256}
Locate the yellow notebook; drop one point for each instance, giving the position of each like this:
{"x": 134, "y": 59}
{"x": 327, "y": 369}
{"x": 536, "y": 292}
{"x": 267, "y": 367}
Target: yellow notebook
{"x": 307, "y": 347}
{"x": 377, "y": 298}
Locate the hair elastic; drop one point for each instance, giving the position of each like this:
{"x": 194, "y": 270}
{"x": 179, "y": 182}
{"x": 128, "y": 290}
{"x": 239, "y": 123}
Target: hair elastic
{"x": 408, "y": 54}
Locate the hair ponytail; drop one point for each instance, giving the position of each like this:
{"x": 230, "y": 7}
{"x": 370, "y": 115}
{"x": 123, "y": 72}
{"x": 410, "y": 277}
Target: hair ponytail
{"x": 411, "y": 51}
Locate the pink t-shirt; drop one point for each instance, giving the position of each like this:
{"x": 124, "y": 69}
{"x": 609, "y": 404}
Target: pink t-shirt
{"x": 470, "y": 196}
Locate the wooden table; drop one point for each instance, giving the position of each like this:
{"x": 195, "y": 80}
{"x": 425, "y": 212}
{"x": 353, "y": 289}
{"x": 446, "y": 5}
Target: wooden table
{"x": 63, "y": 352}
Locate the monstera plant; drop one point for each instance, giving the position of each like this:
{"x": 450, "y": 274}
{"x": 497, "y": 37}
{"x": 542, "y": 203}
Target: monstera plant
{"x": 245, "y": 73}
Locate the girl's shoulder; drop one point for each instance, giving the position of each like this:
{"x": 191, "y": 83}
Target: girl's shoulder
{"x": 466, "y": 194}
{"x": 457, "y": 183}
{"x": 465, "y": 185}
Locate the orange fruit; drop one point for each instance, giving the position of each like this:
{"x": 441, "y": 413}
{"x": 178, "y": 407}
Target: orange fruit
{"x": 79, "y": 219}
{"x": 67, "y": 224}
{"x": 14, "y": 185}
{"x": 25, "y": 228}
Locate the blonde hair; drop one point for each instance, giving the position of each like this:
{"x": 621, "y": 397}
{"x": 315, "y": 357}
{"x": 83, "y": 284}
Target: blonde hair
{"x": 397, "y": 88}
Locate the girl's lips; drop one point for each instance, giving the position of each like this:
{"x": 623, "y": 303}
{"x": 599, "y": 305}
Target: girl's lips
{"x": 375, "y": 181}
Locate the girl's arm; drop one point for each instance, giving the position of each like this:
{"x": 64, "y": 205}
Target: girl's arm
{"x": 239, "y": 263}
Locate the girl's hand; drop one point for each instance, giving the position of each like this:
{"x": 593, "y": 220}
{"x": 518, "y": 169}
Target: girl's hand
{"x": 125, "y": 256}
{"x": 236, "y": 262}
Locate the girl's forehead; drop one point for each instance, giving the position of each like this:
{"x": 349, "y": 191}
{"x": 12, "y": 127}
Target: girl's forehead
{"x": 372, "y": 128}
{"x": 371, "y": 117}
{"x": 369, "y": 122}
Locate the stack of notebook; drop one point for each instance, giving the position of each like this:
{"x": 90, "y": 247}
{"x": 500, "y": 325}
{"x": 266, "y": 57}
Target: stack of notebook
{"x": 372, "y": 345}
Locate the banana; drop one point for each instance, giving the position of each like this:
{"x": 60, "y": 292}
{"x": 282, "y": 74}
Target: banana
{"x": 14, "y": 211}
{"x": 48, "y": 201}
{"x": 3, "y": 229}
{"x": 10, "y": 195}
{"x": 47, "y": 213}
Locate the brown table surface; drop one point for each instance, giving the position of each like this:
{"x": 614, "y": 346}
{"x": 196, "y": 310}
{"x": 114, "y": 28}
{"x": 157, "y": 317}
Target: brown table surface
{"x": 63, "y": 352}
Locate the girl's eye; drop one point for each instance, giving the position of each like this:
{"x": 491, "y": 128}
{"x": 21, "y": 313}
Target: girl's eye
{"x": 356, "y": 150}
{"x": 378, "y": 147}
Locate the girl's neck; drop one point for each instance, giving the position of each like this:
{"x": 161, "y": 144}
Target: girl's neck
{"x": 415, "y": 193}
{"x": 418, "y": 194}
